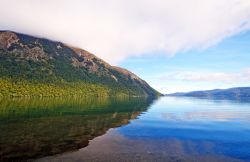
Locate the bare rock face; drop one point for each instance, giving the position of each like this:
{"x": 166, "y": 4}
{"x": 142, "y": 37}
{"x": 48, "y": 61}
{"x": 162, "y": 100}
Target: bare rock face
{"x": 35, "y": 54}
{"x": 126, "y": 72}
{"x": 88, "y": 60}
{"x": 93, "y": 63}
{"x": 7, "y": 39}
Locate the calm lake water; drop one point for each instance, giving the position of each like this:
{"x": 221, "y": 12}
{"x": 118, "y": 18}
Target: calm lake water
{"x": 125, "y": 129}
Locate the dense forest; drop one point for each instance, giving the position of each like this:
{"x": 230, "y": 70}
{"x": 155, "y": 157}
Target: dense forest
{"x": 32, "y": 66}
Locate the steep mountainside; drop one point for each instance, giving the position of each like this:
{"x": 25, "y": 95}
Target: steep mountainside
{"x": 237, "y": 92}
{"x": 32, "y": 66}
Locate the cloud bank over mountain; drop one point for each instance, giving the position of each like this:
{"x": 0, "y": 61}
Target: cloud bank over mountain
{"x": 117, "y": 29}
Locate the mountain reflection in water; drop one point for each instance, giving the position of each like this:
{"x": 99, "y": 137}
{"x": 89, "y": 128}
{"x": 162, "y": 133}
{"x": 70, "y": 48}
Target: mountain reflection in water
{"x": 33, "y": 128}
{"x": 175, "y": 129}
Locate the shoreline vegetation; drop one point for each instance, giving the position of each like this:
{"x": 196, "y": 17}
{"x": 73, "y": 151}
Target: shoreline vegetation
{"x": 9, "y": 88}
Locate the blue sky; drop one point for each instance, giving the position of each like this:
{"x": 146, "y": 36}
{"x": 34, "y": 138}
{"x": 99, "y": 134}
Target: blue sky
{"x": 203, "y": 44}
{"x": 226, "y": 64}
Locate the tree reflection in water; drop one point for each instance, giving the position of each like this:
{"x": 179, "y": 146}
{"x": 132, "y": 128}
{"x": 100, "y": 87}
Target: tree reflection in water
{"x": 33, "y": 128}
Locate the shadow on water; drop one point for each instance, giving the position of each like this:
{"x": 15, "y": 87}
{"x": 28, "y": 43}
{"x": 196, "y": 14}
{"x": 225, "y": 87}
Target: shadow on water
{"x": 33, "y": 128}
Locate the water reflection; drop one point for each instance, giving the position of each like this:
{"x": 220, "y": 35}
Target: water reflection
{"x": 175, "y": 129}
{"x": 32, "y": 128}
{"x": 206, "y": 109}
{"x": 232, "y": 99}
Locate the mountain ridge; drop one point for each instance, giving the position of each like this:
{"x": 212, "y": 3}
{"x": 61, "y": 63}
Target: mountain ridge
{"x": 28, "y": 59}
{"x": 230, "y": 92}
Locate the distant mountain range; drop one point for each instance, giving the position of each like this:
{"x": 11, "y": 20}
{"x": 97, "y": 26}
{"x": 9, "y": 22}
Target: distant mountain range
{"x": 238, "y": 92}
{"x": 31, "y": 66}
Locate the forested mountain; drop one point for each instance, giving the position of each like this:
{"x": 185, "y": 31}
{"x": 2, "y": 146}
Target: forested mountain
{"x": 222, "y": 93}
{"x": 31, "y": 66}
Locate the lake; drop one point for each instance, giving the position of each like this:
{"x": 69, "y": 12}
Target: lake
{"x": 124, "y": 129}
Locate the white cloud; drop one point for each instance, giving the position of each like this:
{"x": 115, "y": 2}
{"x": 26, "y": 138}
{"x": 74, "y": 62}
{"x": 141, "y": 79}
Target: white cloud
{"x": 116, "y": 29}
{"x": 220, "y": 77}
